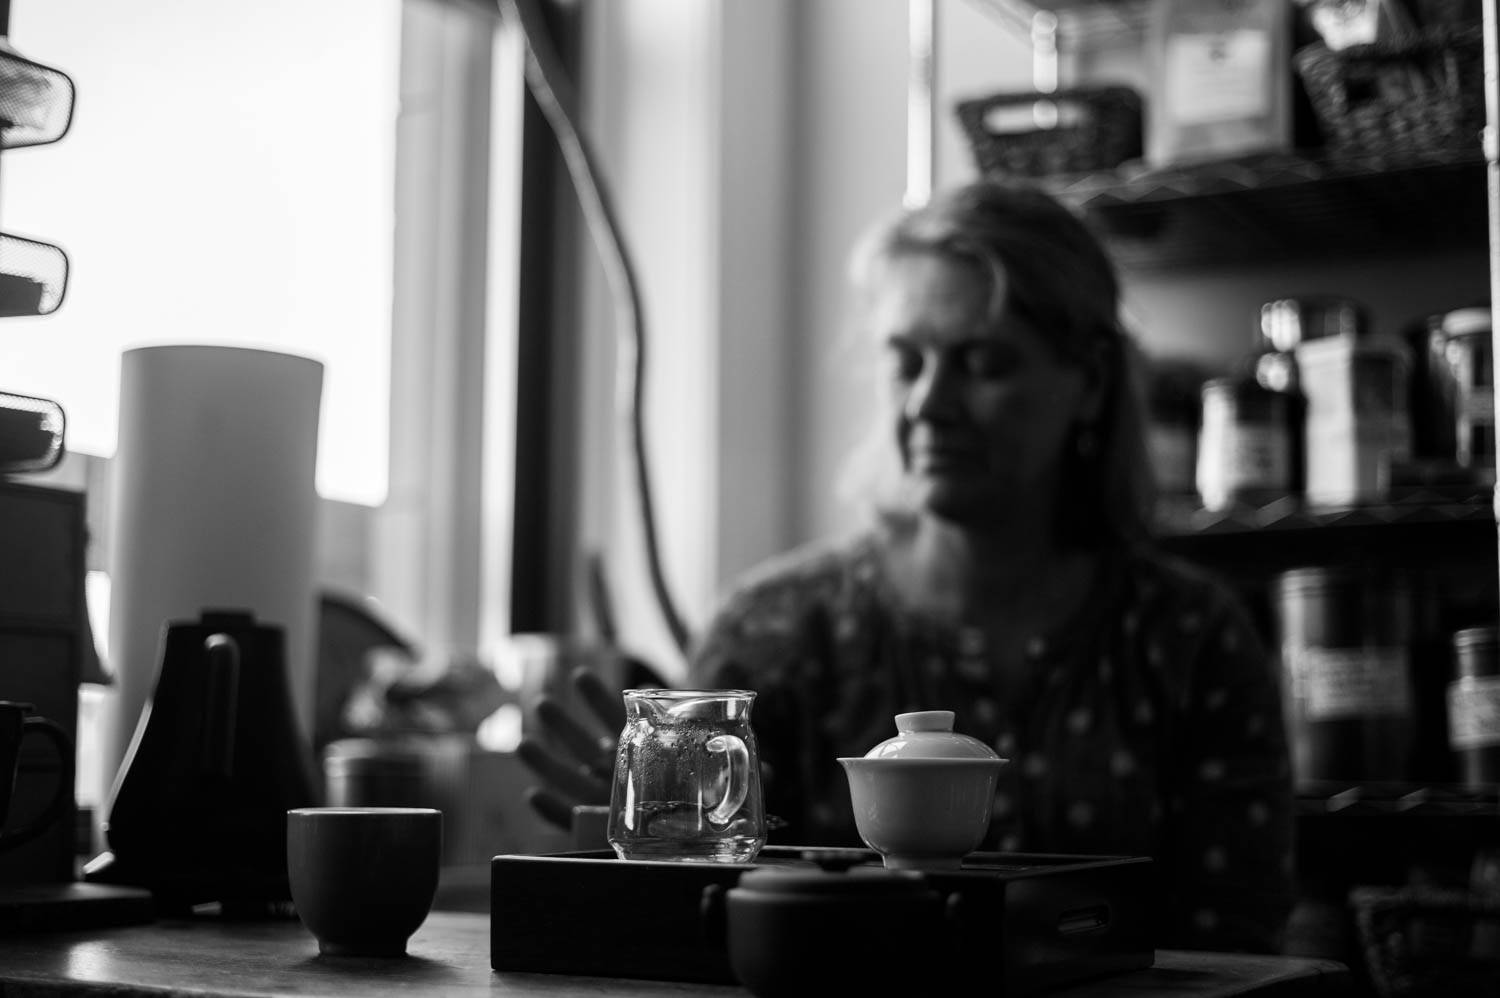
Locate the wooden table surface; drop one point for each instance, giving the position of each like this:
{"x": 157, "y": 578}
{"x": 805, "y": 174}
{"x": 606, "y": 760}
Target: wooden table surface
{"x": 449, "y": 955}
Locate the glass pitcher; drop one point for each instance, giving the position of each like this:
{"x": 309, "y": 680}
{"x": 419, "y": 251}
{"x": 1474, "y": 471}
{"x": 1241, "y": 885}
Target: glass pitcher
{"x": 687, "y": 778}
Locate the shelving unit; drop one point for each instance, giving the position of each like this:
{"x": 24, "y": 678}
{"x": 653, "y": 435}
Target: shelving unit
{"x": 1313, "y": 206}
{"x": 1305, "y": 205}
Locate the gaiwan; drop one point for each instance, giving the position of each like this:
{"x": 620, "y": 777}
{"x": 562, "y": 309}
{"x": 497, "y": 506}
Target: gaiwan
{"x": 923, "y": 799}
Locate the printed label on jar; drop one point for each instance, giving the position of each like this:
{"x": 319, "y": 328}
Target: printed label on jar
{"x": 1332, "y": 683}
{"x": 1217, "y": 76}
{"x": 1240, "y": 457}
{"x": 1258, "y": 458}
{"x": 1479, "y": 406}
{"x": 1474, "y": 712}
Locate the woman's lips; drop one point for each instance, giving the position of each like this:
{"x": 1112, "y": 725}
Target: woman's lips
{"x": 938, "y": 457}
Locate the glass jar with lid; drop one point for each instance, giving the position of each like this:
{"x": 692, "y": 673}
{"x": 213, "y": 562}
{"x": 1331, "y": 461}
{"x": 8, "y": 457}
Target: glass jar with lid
{"x": 1470, "y": 374}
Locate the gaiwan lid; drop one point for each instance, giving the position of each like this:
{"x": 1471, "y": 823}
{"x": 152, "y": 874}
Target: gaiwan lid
{"x": 929, "y": 734}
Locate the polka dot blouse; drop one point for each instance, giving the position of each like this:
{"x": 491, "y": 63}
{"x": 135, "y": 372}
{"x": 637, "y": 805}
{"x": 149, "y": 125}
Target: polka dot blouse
{"x": 1150, "y": 726}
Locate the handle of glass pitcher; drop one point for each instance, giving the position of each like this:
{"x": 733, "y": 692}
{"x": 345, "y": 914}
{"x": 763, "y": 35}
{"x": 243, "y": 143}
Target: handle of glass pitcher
{"x": 738, "y": 757}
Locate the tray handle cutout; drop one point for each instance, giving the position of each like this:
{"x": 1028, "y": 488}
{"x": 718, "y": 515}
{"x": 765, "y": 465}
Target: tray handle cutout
{"x": 1080, "y": 920}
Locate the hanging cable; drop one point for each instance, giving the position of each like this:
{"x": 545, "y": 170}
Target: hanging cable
{"x": 547, "y": 79}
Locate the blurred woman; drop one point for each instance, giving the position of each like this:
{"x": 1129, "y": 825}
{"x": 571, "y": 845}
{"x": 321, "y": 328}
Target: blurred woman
{"x": 1007, "y": 573}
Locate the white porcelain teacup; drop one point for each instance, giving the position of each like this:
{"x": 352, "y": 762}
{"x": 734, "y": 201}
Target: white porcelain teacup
{"x": 923, "y": 799}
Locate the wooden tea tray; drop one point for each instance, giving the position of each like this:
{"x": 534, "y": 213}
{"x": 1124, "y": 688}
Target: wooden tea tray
{"x": 1031, "y": 921}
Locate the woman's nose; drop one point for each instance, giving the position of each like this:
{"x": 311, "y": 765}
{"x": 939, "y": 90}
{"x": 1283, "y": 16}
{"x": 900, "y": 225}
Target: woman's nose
{"x": 933, "y": 395}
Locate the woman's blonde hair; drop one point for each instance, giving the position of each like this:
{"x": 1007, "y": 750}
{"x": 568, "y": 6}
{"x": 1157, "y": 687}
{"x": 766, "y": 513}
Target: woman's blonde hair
{"x": 1051, "y": 270}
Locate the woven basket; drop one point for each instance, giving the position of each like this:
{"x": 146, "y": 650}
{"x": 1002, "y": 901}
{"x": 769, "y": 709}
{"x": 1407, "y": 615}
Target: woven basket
{"x": 1405, "y": 97}
{"x": 1448, "y": 13}
{"x": 1037, "y": 135}
{"x": 1429, "y": 941}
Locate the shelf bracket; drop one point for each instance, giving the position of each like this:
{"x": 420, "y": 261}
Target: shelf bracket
{"x": 921, "y": 93}
{"x": 1491, "y": 144}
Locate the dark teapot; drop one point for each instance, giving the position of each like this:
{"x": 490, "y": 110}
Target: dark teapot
{"x": 793, "y": 932}
{"x": 198, "y": 812}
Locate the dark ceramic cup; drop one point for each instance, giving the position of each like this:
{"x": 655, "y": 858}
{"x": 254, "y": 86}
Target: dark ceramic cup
{"x": 796, "y": 931}
{"x": 363, "y": 878}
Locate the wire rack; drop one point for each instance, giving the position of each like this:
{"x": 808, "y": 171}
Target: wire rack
{"x": 1076, "y": 18}
{"x": 1284, "y": 205}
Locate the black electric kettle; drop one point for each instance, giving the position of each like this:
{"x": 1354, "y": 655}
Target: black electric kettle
{"x": 198, "y": 812}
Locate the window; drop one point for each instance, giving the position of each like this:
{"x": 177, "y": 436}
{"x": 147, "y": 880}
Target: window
{"x": 227, "y": 179}
{"x": 315, "y": 177}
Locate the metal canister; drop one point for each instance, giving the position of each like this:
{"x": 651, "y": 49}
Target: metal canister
{"x": 364, "y": 773}
{"x": 1245, "y": 446}
{"x": 1346, "y": 663}
{"x": 403, "y": 770}
{"x": 1474, "y": 706}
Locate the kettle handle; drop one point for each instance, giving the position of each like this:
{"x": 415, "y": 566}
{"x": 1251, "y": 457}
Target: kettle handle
{"x": 216, "y": 752}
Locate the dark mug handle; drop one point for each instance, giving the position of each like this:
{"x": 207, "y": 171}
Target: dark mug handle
{"x": 62, "y": 795}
